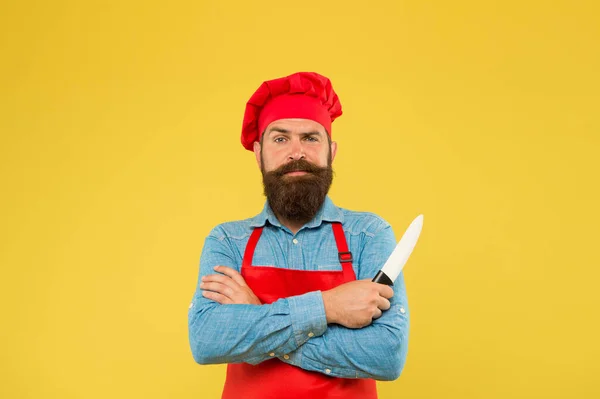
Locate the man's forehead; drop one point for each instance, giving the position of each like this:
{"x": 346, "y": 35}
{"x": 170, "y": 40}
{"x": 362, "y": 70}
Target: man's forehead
{"x": 295, "y": 125}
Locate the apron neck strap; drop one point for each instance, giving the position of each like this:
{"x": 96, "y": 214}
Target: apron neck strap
{"x": 344, "y": 256}
{"x": 251, "y": 246}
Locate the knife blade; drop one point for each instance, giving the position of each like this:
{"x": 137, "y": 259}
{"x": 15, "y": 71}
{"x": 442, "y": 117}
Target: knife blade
{"x": 393, "y": 266}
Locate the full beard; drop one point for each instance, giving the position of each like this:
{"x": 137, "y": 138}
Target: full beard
{"x": 297, "y": 198}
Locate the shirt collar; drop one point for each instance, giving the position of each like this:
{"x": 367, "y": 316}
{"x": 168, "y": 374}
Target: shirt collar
{"x": 327, "y": 213}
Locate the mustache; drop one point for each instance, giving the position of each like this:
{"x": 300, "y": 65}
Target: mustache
{"x": 299, "y": 165}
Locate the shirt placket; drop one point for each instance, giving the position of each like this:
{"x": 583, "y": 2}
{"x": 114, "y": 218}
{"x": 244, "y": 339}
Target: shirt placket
{"x": 295, "y": 252}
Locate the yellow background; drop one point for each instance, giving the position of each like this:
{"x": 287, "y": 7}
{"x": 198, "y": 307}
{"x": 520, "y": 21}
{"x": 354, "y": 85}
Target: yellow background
{"x": 119, "y": 148}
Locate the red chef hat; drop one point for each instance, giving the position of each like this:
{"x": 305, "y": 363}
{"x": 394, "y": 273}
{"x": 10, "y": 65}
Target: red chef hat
{"x": 305, "y": 95}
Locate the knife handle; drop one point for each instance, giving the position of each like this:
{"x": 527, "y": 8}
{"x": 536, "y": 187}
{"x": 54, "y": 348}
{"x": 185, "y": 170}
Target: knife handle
{"x": 382, "y": 278}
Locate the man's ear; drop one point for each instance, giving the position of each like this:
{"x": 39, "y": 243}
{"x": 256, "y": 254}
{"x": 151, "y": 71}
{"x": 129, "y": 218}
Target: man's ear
{"x": 257, "y": 154}
{"x": 333, "y": 150}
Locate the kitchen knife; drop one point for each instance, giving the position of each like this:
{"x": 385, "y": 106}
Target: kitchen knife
{"x": 393, "y": 266}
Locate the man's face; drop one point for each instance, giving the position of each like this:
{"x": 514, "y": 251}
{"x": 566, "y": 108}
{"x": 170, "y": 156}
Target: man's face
{"x": 295, "y": 159}
{"x": 287, "y": 140}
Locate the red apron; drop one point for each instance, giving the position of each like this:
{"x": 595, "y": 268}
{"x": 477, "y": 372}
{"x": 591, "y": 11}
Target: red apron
{"x": 274, "y": 379}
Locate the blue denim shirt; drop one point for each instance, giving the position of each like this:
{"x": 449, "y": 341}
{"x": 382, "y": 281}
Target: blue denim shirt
{"x": 295, "y": 329}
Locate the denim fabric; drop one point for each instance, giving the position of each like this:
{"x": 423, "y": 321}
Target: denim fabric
{"x": 294, "y": 329}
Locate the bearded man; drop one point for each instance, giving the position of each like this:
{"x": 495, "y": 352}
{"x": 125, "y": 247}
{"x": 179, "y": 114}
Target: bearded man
{"x": 286, "y": 298}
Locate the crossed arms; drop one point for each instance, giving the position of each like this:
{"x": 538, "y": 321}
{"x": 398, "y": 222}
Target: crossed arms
{"x": 311, "y": 331}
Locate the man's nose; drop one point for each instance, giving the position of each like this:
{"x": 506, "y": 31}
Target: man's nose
{"x": 296, "y": 151}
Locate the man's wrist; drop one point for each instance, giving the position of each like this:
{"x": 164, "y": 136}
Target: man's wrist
{"x": 329, "y": 309}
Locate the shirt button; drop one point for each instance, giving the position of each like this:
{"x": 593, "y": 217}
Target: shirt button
{"x": 286, "y": 357}
{"x": 402, "y": 310}
{"x": 191, "y": 304}
{"x": 295, "y": 241}
{"x": 272, "y": 354}
{"x": 311, "y": 334}
{"x": 327, "y": 371}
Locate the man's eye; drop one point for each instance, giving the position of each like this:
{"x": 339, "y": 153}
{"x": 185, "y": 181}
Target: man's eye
{"x": 279, "y": 139}
{"x": 311, "y": 138}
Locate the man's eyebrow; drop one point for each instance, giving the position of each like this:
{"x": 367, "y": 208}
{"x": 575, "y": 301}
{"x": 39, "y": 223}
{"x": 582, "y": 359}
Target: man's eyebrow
{"x": 311, "y": 133}
{"x": 278, "y": 129}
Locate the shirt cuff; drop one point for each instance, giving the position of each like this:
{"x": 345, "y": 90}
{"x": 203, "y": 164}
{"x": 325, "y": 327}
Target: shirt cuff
{"x": 308, "y": 316}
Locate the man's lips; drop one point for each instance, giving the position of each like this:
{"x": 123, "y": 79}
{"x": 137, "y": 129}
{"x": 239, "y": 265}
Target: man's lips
{"x": 296, "y": 173}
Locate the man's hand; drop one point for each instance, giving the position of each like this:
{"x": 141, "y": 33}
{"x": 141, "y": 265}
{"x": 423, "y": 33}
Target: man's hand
{"x": 357, "y": 303}
{"x": 227, "y": 288}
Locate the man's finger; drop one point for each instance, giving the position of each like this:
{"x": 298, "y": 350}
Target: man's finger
{"x": 222, "y": 279}
{"x": 377, "y": 314}
{"x": 233, "y": 274}
{"x": 218, "y": 288}
{"x": 385, "y": 291}
{"x": 222, "y": 299}
{"x": 383, "y": 303}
